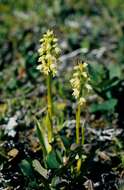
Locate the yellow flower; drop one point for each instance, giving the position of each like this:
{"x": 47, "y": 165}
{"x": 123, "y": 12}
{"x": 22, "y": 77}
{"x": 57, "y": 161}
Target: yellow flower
{"x": 88, "y": 87}
{"x": 48, "y": 54}
{"x": 82, "y": 101}
{"x": 75, "y": 93}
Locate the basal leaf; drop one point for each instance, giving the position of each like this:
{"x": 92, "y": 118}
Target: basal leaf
{"x": 42, "y": 171}
{"x": 105, "y": 106}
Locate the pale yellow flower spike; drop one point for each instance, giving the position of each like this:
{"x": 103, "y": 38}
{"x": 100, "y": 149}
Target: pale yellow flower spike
{"x": 80, "y": 82}
{"x": 48, "y": 54}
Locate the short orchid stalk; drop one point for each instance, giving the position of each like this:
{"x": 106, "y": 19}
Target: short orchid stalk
{"x": 81, "y": 86}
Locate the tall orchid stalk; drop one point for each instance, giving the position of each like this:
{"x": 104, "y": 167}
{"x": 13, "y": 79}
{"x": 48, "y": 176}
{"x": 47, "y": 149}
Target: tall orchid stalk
{"x": 48, "y": 56}
{"x": 81, "y": 87}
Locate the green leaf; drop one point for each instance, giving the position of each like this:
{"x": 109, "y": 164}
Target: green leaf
{"x": 85, "y": 43}
{"x": 26, "y": 168}
{"x": 114, "y": 70}
{"x": 52, "y": 160}
{"x": 55, "y": 181}
{"x": 105, "y": 106}
{"x": 46, "y": 147}
{"x": 42, "y": 171}
{"x": 96, "y": 72}
{"x": 59, "y": 156}
{"x": 65, "y": 141}
{"x": 12, "y": 84}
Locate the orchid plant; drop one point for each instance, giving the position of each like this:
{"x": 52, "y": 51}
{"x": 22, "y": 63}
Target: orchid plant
{"x": 48, "y": 57}
{"x": 49, "y": 53}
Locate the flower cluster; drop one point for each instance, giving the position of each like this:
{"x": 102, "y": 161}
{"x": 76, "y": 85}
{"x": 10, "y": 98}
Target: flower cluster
{"x": 48, "y": 54}
{"x": 80, "y": 83}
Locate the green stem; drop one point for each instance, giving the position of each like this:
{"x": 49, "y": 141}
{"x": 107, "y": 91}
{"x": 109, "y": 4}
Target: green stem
{"x": 78, "y": 135}
{"x": 49, "y": 94}
{"x": 83, "y": 133}
{"x": 49, "y": 103}
{"x": 78, "y": 124}
{"x": 79, "y": 162}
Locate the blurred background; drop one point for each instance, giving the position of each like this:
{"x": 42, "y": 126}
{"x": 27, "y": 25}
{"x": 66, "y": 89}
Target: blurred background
{"x": 94, "y": 28}
{"x": 90, "y": 29}
{"x": 95, "y": 25}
